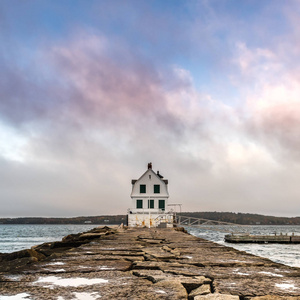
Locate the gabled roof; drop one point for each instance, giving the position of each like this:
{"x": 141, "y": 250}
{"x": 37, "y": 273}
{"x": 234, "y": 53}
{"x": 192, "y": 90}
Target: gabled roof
{"x": 150, "y": 177}
{"x": 157, "y": 175}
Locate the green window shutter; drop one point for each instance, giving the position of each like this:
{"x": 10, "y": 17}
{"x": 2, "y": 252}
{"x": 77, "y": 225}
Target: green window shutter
{"x": 142, "y": 188}
{"x": 150, "y": 203}
{"x": 139, "y": 203}
{"x": 161, "y": 204}
{"x": 156, "y": 188}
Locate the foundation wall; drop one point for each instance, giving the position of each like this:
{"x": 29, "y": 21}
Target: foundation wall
{"x": 150, "y": 220}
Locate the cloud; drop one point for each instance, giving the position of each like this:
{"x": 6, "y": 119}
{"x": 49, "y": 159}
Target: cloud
{"x": 83, "y": 114}
{"x": 88, "y": 116}
{"x": 85, "y": 117}
{"x": 272, "y": 103}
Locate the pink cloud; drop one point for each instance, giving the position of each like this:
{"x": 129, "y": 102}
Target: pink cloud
{"x": 281, "y": 124}
{"x": 102, "y": 87}
{"x": 126, "y": 92}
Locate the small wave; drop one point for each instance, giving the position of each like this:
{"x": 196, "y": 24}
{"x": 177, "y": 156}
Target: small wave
{"x": 280, "y": 253}
{"x": 18, "y": 237}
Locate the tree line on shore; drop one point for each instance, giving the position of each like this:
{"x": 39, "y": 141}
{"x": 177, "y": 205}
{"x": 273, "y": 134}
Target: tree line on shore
{"x": 231, "y": 217}
{"x": 244, "y": 218}
{"x": 109, "y": 220}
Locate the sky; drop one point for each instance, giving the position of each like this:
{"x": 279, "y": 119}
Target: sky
{"x": 206, "y": 90}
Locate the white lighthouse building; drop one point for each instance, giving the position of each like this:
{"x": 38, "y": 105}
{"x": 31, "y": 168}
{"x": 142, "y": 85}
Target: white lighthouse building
{"x": 149, "y": 201}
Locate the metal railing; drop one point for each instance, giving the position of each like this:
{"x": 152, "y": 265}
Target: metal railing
{"x": 210, "y": 224}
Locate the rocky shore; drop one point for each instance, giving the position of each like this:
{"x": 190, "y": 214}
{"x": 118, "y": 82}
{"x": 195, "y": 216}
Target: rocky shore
{"x": 142, "y": 263}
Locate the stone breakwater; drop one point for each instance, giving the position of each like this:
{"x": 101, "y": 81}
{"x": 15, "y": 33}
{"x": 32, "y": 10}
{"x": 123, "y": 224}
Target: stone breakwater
{"x": 133, "y": 263}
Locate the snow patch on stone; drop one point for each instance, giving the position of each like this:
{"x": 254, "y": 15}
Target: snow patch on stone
{"x": 52, "y": 281}
{"x": 59, "y": 271}
{"x": 56, "y": 263}
{"x": 13, "y": 277}
{"x": 271, "y": 274}
{"x": 83, "y": 296}
{"x": 161, "y": 292}
{"x": 240, "y": 273}
{"x": 56, "y": 271}
{"x": 285, "y": 286}
{"x": 15, "y": 297}
{"x": 86, "y": 296}
{"x": 106, "y": 268}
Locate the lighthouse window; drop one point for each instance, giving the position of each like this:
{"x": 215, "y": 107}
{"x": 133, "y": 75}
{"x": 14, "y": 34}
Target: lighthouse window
{"x": 139, "y": 203}
{"x": 142, "y": 188}
{"x": 150, "y": 203}
{"x": 156, "y": 188}
{"x": 161, "y": 204}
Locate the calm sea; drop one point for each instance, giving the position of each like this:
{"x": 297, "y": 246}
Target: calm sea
{"x": 288, "y": 254}
{"x": 18, "y": 237}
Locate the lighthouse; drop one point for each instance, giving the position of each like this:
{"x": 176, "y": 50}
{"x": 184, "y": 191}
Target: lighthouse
{"x": 149, "y": 201}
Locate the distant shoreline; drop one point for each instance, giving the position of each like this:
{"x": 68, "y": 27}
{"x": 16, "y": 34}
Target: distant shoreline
{"x": 237, "y": 218}
{"x": 89, "y": 220}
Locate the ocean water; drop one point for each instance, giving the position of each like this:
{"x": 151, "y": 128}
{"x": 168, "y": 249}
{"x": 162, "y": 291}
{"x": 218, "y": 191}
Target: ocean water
{"x": 18, "y": 237}
{"x": 288, "y": 254}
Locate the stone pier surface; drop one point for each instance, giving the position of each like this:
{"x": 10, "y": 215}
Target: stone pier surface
{"x": 142, "y": 263}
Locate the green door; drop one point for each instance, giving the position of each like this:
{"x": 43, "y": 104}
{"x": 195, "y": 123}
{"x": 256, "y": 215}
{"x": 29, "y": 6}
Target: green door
{"x": 161, "y": 204}
{"x": 150, "y": 203}
{"x": 139, "y": 203}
